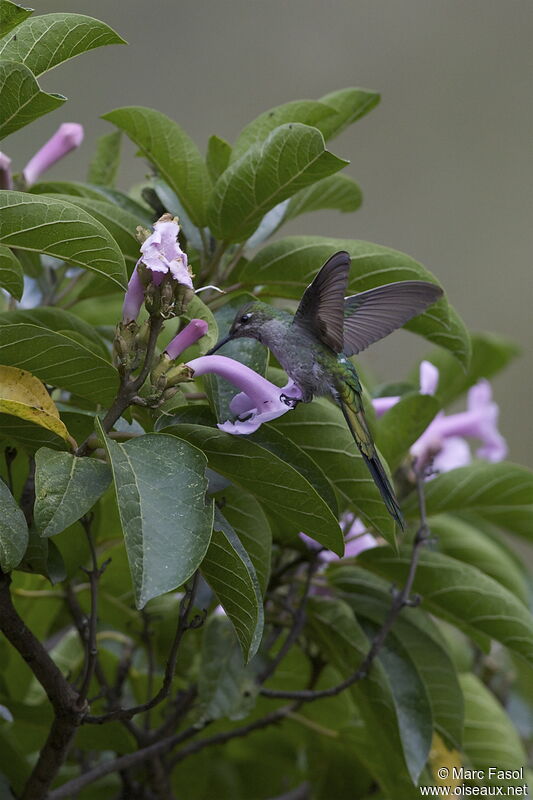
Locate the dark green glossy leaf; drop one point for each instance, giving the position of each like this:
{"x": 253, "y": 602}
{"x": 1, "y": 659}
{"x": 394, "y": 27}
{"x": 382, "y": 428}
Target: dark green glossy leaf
{"x": 60, "y": 229}
{"x": 66, "y": 487}
{"x": 21, "y": 98}
{"x": 28, "y": 435}
{"x": 105, "y": 162}
{"x": 286, "y": 268}
{"x": 172, "y": 152}
{"x": 292, "y": 157}
{"x": 274, "y": 483}
{"x": 160, "y": 486}
{"x": 401, "y": 426}
{"x": 461, "y": 594}
{"x": 13, "y": 531}
{"x": 42, "y": 557}
{"x": 230, "y": 573}
{"x": 249, "y": 522}
{"x": 43, "y": 42}
{"x": 11, "y": 275}
{"x": 501, "y": 493}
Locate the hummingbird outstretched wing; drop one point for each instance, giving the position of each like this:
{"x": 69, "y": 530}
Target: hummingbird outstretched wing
{"x": 370, "y": 316}
{"x": 321, "y": 308}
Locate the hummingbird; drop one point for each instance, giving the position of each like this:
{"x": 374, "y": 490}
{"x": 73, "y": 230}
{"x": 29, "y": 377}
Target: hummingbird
{"x": 314, "y": 345}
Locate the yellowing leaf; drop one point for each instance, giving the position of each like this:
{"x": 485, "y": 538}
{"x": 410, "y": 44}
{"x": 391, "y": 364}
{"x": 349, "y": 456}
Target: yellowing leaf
{"x": 23, "y": 395}
{"x": 445, "y": 764}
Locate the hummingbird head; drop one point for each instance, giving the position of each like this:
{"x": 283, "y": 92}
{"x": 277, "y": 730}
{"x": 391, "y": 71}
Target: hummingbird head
{"x": 249, "y": 321}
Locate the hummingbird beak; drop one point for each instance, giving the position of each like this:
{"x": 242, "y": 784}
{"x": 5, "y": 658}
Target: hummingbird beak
{"x": 219, "y": 345}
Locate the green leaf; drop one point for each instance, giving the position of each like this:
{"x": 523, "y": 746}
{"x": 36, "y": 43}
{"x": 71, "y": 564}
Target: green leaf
{"x": 29, "y": 435}
{"x": 229, "y": 571}
{"x": 250, "y": 523}
{"x": 121, "y": 225}
{"x": 349, "y": 105}
{"x": 50, "y": 356}
{"x": 292, "y": 157}
{"x": 401, "y": 426}
{"x": 42, "y": 557}
{"x": 220, "y": 392}
{"x": 11, "y": 275}
{"x": 500, "y": 493}
{"x": 66, "y": 487}
{"x": 491, "y": 353}
{"x": 218, "y": 157}
{"x": 343, "y": 642}
{"x": 21, "y": 98}
{"x": 225, "y": 687}
{"x": 462, "y": 541}
{"x": 13, "y": 531}
{"x": 160, "y": 486}
{"x": 305, "y": 112}
{"x": 60, "y": 229}
{"x": 461, "y": 594}
{"x": 172, "y": 152}
{"x": 275, "y": 484}
{"x": 321, "y": 431}
{"x": 286, "y": 268}
{"x": 11, "y": 15}
{"x": 337, "y": 192}
{"x": 43, "y": 42}
{"x": 105, "y": 162}
{"x": 423, "y": 644}
{"x": 490, "y": 738}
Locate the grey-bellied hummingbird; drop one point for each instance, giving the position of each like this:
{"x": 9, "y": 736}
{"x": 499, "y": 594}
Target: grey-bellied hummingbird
{"x": 313, "y": 345}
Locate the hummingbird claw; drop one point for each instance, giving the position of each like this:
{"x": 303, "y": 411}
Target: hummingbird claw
{"x": 292, "y": 402}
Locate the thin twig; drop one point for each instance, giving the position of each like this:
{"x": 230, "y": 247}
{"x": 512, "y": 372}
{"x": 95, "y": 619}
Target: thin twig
{"x": 401, "y": 599}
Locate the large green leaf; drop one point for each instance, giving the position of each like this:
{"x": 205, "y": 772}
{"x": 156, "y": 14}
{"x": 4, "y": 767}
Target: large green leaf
{"x": 250, "y": 523}
{"x": 401, "y": 426}
{"x": 172, "y": 152}
{"x": 349, "y": 105}
{"x": 60, "y": 229}
{"x": 461, "y": 594}
{"x": 51, "y": 356}
{"x": 490, "y": 738}
{"x": 338, "y": 192}
{"x": 491, "y": 353}
{"x": 225, "y": 687}
{"x": 220, "y": 392}
{"x": 464, "y": 542}
{"x": 13, "y": 531}
{"x": 160, "y": 486}
{"x": 66, "y": 487}
{"x": 11, "y": 275}
{"x": 306, "y": 112}
{"x": 292, "y": 157}
{"x": 29, "y": 435}
{"x": 286, "y": 267}
{"x": 230, "y": 573}
{"x": 218, "y": 156}
{"x": 501, "y": 493}
{"x": 43, "y": 42}
{"x": 276, "y": 485}
{"x": 21, "y": 98}
{"x": 421, "y": 639}
{"x": 11, "y": 15}
{"x": 321, "y": 431}
{"x": 333, "y": 626}
{"x": 105, "y": 162}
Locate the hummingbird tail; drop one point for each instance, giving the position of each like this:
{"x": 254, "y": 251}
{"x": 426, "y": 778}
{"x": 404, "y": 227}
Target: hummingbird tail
{"x": 350, "y": 403}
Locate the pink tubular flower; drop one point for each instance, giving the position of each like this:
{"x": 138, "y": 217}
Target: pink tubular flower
{"x": 259, "y": 399}
{"x": 187, "y": 337}
{"x": 6, "y": 179}
{"x": 444, "y": 441}
{"x": 68, "y": 136}
{"x": 161, "y": 255}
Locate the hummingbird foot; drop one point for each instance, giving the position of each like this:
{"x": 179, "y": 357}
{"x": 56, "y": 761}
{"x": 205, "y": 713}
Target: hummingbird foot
{"x": 292, "y": 402}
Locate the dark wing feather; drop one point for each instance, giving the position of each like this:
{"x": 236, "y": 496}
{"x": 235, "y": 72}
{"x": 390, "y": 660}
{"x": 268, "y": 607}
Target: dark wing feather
{"x": 372, "y": 315}
{"x": 321, "y": 308}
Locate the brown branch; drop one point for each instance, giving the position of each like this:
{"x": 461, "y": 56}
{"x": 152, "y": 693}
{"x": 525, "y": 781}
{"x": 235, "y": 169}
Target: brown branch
{"x": 170, "y": 667}
{"x": 401, "y": 599}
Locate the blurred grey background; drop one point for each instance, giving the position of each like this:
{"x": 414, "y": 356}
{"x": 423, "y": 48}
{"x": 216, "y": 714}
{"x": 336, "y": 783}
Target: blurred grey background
{"x": 445, "y": 161}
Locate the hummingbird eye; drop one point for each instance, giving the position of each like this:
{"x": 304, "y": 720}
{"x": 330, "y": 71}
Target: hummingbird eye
{"x": 244, "y": 319}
